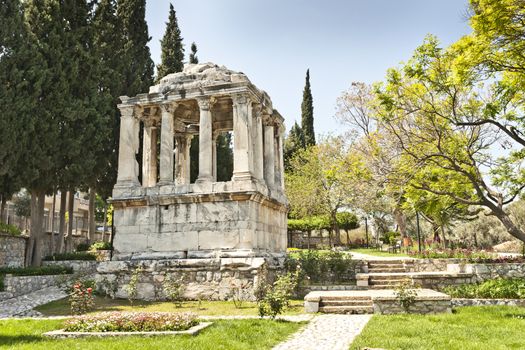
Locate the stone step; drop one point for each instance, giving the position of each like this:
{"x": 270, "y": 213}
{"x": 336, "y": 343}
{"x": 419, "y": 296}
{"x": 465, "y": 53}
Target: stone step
{"x": 388, "y": 262}
{"x": 387, "y": 270}
{"x": 348, "y": 302}
{"x": 344, "y": 297}
{"x": 389, "y": 277}
{"x": 346, "y": 309}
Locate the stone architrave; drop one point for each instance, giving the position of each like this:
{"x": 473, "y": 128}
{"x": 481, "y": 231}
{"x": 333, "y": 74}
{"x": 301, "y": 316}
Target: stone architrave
{"x": 128, "y": 169}
{"x": 205, "y": 140}
{"x": 269, "y": 155}
{"x": 242, "y": 144}
{"x": 166, "y": 144}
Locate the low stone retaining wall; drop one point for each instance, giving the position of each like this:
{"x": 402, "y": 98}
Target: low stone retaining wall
{"x": 83, "y": 266}
{"x": 388, "y": 306}
{"x": 12, "y": 250}
{"x": 19, "y": 285}
{"x": 482, "y": 302}
{"x": 210, "y": 279}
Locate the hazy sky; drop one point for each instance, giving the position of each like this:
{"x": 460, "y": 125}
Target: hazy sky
{"x": 275, "y": 41}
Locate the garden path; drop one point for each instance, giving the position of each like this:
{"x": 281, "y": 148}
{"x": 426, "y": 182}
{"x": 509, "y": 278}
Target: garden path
{"x": 334, "y": 332}
{"x": 23, "y": 305}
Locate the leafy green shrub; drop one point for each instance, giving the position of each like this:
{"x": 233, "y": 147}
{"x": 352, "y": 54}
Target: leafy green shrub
{"x": 405, "y": 295}
{"x": 132, "y": 322}
{"x": 274, "y": 298}
{"x": 322, "y": 266}
{"x": 346, "y": 221}
{"x": 10, "y": 229}
{"x": 82, "y": 247}
{"x": 500, "y": 288}
{"x": 390, "y": 237}
{"x": 100, "y": 245}
{"x": 471, "y": 255}
{"x": 174, "y": 289}
{"x": 131, "y": 287}
{"x": 71, "y": 256}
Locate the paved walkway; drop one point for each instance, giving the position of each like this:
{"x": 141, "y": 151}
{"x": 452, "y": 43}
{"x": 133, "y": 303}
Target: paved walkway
{"x": 332, "y": 332}
{"x": 22, "y": 306}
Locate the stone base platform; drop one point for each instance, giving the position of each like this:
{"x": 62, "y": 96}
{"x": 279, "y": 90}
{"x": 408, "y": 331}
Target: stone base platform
{"x": 207, "y": 278}
{"x": 382, "y": 301}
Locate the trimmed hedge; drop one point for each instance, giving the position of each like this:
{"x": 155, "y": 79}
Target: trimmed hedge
{"x": 71, "y": 256}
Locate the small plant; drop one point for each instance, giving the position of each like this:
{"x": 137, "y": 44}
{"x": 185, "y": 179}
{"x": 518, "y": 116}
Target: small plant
{"x": 174, "y": 290}
{"x": 239, "y": 293}
{"x": 10, "y": 229}
{"x": 406, "y": 295}
{"x": 82, "y": 247}
{"x": 100, "y": 245}
{"x": 131, "y": 288}
{"x": 499, "y": 288}
{"x": 71, "y": 256}
{"x": 81, "y": 298}
{"x": 275, "y": 298}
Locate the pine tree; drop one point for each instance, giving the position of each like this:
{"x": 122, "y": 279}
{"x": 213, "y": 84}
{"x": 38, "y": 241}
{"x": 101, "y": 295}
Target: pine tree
{"x": 135, "y": 56}
{"x": 307, "y": 113}
{"x": 172, "y": 50}
{"x": 193, "y": 55}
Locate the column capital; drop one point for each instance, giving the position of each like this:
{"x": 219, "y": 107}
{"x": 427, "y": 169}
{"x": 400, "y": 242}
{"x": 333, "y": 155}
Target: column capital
{"x": 126, "y": 111}
{"x": 240, "y": 98}
{"x": 169, "y": 107}
{"x": 205, "y": 102}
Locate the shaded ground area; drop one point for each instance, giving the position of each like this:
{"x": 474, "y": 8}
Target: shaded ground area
{"x": 211, "y": 308}
{"x": 223, "y": 334}
{"x": 473, "y": 328}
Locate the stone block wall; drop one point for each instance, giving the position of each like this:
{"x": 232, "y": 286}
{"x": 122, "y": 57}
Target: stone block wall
{"x": 191, "y": 226}
{"x": 210, "y": 279}
{"x": 19, "y": 285}
{"x": 12, "y": 250}
{"x": 388, "y": 306}
{"x": 82, "y": 266}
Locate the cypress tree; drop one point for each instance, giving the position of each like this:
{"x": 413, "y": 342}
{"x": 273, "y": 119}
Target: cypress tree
{"x": 172, "y": 50}
{"x": 293, "y": 143}
{"x": 135, "y": 56}
{"x": 193, "y": 55}
{"x": 307, "y": 113}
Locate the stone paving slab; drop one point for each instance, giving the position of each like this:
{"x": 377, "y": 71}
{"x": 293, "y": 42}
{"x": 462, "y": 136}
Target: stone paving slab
{"x": 374, "y": 293}
{"x": 331, "y": 332}
{"x": 23, "y": 305}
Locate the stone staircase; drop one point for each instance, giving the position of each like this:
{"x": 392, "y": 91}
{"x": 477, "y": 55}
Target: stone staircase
{"x": 387, "y": 280}
{"x": 333, "y": 304}
{"x": 387, "y": 266}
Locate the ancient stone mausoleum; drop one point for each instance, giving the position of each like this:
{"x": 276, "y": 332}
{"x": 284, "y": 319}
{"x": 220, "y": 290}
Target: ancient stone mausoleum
{"x": 210, "y": 233}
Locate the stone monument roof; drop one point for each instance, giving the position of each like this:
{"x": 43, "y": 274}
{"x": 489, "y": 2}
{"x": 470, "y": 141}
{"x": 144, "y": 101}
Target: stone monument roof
{"x": 201, "y": 75}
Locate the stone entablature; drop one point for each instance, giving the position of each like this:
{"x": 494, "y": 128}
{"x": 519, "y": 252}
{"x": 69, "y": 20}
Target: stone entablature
{"x": 165, "y": 216}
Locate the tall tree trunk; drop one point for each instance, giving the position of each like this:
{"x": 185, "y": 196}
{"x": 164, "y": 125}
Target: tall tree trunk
{"x": 32, "y": 230}
{"x": 335, "y": 228}
{"x": 105, "y": 222}
{"x": 70, "y": 209}
{"x": 3, "y": 212}
{"x": 91, "y": 216}
{"x": 39, "y": 229}
{"x": 400, "y": 222}
{"x": 309, "y": 233}
{"x": 62, "y": 221}
{"x": 443, "y": 235}
{"x": 435, "y": 230}
{"x": 52, "y": 215}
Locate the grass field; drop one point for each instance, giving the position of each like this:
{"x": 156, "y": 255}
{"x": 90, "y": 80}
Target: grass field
{"x": 472, "y": 328}
{"x": 375, "y": 252}
{"x": 223, "y": 334}
{"x": 210, "y": 308}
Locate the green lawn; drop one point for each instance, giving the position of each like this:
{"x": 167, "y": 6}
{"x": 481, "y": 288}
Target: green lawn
{"x": 472, "y": 328}
{"x": 210, "y": 308}
{"x": 223, "y": 334}
{"x": 375, "y": 252}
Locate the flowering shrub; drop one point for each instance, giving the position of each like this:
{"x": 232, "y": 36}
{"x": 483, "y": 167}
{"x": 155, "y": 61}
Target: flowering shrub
{"x": 81, "y": 298}
{"x": 453, "y": 254}
{"x": 273, "y": 299}
{"x": 174, "y": 289}
{"x": 132, "y": 322}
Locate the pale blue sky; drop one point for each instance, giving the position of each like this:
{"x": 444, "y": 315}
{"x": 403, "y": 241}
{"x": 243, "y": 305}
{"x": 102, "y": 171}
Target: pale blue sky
{"x": 275, "y": 41}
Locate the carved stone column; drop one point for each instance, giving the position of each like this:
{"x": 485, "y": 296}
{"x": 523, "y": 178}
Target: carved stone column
{"x": 205, "y": 140}
{"x": 258, "y": 154}
{"x": 128, "y": 167}
{"x": 242, "y": 143}
{"x": 149, "y": 155}
{"x": 269, "y": 155}
{"x": 166, "y": 144}
{"x": 182, "y": 167}
{"x": 280, "y": 154}
{"x": 214, "y": 155}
